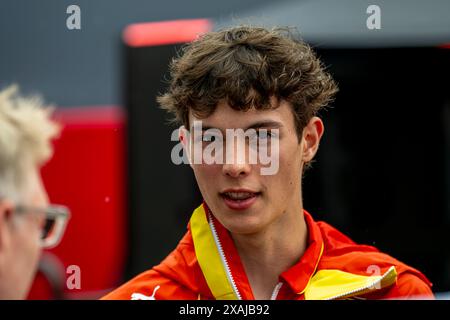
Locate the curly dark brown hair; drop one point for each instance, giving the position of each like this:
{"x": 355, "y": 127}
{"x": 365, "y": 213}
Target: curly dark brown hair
{"x": 247, "y": 66}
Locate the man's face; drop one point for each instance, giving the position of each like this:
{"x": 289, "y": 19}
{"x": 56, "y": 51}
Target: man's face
{"x": 242, "y": 199}
{"x": 20, "y": 250}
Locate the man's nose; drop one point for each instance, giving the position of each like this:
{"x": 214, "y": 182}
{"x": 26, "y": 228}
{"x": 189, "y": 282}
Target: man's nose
{"x": 238, "y": 165}
{"x": 236, "y": 170}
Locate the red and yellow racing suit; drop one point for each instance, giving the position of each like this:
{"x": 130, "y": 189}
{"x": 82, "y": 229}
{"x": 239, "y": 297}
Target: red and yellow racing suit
{"x": 206, "y": 265}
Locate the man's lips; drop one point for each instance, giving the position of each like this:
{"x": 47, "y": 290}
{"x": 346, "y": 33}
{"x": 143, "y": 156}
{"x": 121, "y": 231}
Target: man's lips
{"x": 239, "y": 199}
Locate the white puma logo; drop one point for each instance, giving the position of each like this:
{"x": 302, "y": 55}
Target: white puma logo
{"x": 140, "y": 296}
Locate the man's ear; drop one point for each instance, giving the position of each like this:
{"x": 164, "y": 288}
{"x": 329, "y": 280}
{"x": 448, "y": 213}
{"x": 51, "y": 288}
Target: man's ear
{"x": 6, "y": 214}
{"x": 185, "y": 139}
{"x": 312, "y": 134}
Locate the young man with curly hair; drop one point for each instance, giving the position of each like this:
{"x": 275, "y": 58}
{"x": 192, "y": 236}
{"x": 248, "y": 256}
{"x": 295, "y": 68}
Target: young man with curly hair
{"x": 251, "y": 238}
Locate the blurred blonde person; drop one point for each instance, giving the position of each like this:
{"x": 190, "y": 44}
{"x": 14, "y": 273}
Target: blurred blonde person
{"x": 27, "y": 222}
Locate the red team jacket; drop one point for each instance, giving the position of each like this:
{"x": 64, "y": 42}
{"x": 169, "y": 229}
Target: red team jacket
{"x": 206, "y": 265}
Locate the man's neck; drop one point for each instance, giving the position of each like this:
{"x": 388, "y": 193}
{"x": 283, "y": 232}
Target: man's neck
{"x": 267, "y": 254}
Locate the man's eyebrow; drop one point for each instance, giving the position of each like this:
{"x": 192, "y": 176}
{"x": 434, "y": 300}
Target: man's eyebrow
{"x": 265, "y": 124}
{"x": 260, "y": 124}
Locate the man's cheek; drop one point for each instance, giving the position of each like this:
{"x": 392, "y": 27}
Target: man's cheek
{"x": 206, "y": 177}
{"x": 209, "y": 172}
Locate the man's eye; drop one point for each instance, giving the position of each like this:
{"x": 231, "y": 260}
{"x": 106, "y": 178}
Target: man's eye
{"x": 265, "y": 134}
{"x": 208, "y": 138}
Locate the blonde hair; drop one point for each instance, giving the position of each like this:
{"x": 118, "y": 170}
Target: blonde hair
{"x": 25, "y": 133}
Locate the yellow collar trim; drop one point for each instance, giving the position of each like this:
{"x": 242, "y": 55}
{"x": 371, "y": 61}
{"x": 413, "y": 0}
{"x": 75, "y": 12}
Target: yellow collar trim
{"x": 209, "y": 258}
{"x": 337, "y": 284}
{"x": 315, "y": 268}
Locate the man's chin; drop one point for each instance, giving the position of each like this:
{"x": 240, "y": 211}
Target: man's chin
{"x": 242, "y": 223}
